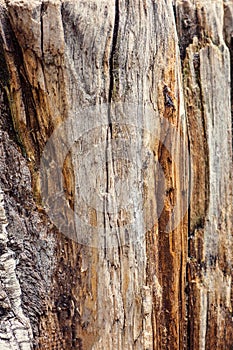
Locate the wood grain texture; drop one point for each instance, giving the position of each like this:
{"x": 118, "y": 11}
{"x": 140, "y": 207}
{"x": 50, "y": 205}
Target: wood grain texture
{"x": 139, "y": 96}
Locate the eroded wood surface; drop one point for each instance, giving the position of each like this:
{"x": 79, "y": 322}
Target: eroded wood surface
{"x": 157, "y": 75}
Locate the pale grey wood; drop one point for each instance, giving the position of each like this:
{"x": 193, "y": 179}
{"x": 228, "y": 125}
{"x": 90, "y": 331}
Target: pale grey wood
{"x": 135, "y": 97}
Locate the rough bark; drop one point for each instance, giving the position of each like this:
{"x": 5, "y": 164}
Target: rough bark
{"x": 146, "y": 88}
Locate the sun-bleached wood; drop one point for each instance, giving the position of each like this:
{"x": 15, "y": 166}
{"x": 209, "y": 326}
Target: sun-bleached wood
{"x": 157, "y": 75}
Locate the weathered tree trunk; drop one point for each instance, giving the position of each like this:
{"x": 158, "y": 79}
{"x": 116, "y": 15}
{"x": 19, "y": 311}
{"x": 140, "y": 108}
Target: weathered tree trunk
{"x": 116, "y": 174}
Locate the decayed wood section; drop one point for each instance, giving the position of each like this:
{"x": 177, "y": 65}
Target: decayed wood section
{"x": 165, "y": 282}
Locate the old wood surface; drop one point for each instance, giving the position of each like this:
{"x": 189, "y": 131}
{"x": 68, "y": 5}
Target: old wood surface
{"x": 116, "y": 174}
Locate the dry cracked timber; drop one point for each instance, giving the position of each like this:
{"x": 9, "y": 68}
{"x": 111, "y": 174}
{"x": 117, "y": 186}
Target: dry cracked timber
{"x": 164, "y": 282}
